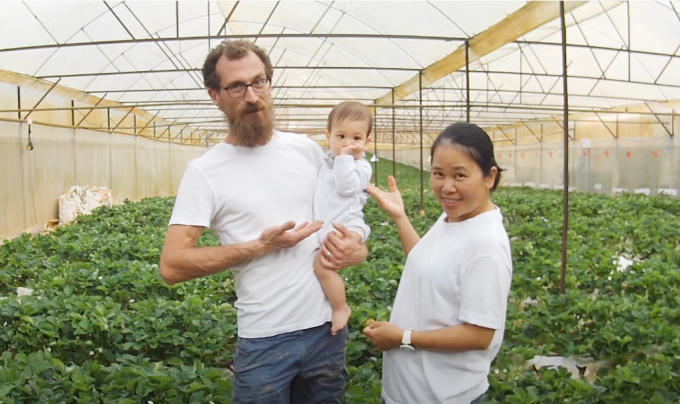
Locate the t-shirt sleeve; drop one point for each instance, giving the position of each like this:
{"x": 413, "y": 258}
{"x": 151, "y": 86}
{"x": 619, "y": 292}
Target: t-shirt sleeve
{"x": 315, "y": 153}
{"x": 350, "y": 176}
{"x": 485, "y": 285}
{"x": 194, "y": 203}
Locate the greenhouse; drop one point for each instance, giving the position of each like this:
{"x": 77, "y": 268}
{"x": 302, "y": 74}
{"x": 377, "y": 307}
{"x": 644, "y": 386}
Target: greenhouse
{"x": 103, "y": 106}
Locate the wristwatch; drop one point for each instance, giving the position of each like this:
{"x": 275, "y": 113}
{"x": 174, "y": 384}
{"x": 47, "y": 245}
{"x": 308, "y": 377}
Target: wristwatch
{"x": 406, "y": 341}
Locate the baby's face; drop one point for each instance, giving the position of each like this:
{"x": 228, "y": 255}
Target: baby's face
{"x": 348, "y": 135}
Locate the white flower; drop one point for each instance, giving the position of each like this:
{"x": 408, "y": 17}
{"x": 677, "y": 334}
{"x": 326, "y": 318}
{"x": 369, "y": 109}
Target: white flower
{"x": 91, "y": 352}
{"x": 49, "y": 349}
{"x": 496, "y": 371}
{"x": 132, "y": 300}
{"x": 5, "y": 325}
{"x": 100, "y": 350}
{"x": 149, "y": 402}
{"x": 100, "y": 278}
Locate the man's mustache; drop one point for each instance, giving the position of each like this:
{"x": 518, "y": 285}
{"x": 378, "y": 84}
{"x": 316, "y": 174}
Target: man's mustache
{"x": 251, "y": 108}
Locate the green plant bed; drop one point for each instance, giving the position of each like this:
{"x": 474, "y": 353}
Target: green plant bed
{"x": 102, "y": 327}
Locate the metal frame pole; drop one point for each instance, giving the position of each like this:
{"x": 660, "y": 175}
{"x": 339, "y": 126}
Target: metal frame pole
{"x": 394, "y": 141}
{"x": 565, "y": 218}
{"x": 467, "y": 81}
{"x": 420, "y": 99}
{"x": 375, "y": 143}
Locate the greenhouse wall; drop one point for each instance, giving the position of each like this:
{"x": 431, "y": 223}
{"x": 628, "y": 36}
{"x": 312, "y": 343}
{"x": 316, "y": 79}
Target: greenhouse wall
{"x": 32, "y": 180}
{"x": 609, "y": 166}
{"x": 648, "y": 166}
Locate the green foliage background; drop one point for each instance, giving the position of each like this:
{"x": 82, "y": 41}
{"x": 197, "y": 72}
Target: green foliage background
{"x": 102, "y": 327}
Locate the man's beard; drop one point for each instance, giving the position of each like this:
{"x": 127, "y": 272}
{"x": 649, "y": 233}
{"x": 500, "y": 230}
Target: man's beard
{"x": 252, "y": 129}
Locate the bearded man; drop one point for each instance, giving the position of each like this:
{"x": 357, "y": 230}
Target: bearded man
{"x": 255, "y": 190}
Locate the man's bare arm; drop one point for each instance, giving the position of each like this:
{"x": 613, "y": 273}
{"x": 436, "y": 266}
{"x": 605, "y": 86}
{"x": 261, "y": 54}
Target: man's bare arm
{"x": 181, "y": 260}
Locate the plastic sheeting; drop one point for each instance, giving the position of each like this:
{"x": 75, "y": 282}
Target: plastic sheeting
{"x": 32, "y": 181}
{"x": 648, "y": 166}
{"x": 609, "y": 166}
{"x": 619, "y": 54}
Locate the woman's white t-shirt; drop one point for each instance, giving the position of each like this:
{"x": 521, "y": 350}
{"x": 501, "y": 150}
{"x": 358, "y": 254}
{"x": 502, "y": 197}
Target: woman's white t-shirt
{"x": 457, "y": 273}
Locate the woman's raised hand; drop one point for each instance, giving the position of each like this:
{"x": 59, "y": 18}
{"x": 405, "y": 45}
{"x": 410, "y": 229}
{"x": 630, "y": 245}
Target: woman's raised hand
{"x": 390, "y": 202}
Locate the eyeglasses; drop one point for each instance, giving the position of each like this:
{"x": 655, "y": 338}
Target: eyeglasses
{"x": 260, "y": 85}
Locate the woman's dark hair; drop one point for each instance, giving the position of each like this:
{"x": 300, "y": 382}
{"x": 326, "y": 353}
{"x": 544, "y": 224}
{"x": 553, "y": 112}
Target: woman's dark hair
{"x": 475, "y": 142}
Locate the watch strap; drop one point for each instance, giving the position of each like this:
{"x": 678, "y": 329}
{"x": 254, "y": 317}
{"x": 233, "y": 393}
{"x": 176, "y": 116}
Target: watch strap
{"x": 406, "y": 340}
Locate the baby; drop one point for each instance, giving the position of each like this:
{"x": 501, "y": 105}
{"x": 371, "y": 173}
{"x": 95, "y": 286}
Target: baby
{"x": 340, "y": 195}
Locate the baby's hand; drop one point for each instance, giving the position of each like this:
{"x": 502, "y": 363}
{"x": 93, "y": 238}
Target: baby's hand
{"x": 353, "y": 150}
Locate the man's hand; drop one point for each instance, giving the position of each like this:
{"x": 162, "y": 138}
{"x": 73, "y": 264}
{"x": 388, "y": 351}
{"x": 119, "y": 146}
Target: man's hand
{"x": 354, "y": 150}
{"x": 287, "y": 235}
{"x": 384, "y": 335}
{"x": 342, "y": 249}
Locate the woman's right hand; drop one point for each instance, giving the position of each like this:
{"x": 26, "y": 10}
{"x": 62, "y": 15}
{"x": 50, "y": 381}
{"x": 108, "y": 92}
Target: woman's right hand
{"x": 390, "y": 202}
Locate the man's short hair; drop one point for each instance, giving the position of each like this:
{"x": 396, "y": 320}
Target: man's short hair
{"x": 350, "y": 111}
{"x": 232, "y": 50}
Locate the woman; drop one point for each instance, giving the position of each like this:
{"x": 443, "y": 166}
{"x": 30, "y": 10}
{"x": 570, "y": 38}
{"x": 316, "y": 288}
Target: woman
{"x": 448, "y": 316}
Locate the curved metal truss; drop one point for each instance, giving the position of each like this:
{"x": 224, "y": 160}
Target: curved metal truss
{"x": 421, "y": 64}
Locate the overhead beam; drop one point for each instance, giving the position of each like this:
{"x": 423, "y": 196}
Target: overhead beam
{"x": 88, "y": 112}
{"x": 42, "y": 98}
{"x": 218, "y": 37}
{"x": 521, "y": 22}
{"x": 197, "y": 69}
{"x": 67, "y": 93}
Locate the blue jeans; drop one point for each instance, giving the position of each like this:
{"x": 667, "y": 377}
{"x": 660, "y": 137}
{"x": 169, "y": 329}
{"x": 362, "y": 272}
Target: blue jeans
{"x": 477, "y": 400}
{"x": 300, "y": 367}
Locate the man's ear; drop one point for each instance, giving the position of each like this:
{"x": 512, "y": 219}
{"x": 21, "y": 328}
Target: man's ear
{"x": 214, "y": 96}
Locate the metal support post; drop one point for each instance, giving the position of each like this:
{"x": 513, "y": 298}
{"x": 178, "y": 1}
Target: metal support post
{"x": 420, "y": 99}
{"x": 565, "y": 167}
{"x": 467, "y": 81}
{"x": 394, "y": 141}
{"x": 375, "y": 142}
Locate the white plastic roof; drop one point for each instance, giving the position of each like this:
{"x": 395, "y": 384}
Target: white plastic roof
{"x": 150, "y": 54}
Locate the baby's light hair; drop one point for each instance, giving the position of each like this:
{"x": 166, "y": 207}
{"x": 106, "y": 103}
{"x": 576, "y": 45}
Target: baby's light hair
{"x": 350, "y": 111}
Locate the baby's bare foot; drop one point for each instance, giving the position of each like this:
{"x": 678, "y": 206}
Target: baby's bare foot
{"x": 340, "y": 318}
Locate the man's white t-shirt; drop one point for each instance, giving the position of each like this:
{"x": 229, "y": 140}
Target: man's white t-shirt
{"x": 457, "y": 273}
{"x": 241, "y": 191}
{"x": 340, "y": 194}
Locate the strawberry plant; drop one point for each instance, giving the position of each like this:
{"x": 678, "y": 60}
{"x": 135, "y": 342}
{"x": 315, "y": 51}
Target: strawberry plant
{"x": 102, "y": 327}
